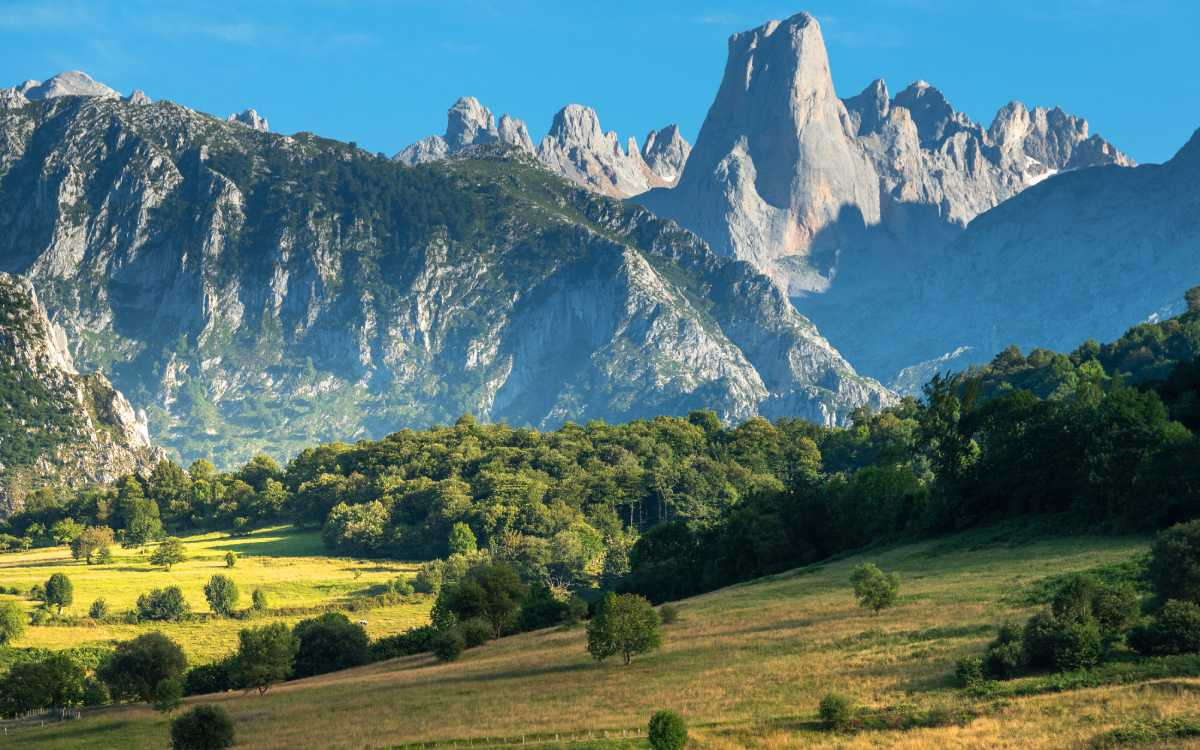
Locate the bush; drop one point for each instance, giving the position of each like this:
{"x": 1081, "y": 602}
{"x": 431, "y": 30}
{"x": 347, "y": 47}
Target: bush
{"x": 874, "y": 589}
{"x": 1005, "y": 656}
{"x": 230, "y": 559}
{"x": 1041, "y": 640}
{"x": 168, "y": 553}
{"x": 12, "y": 622}
{"x": 836, "y": 711}
{"x": 668, "y": 614}
{"x": 430, "y": 577}
{"x": 401, "y": 586}
{"x": 414, "y": 641}
{"x": 968, "y": 671}
{"x": 1079, "y": 646}
{"x": 163, "y": 604}
{"x": 95, "y": 692}
{"x": 222, "y": 594}
{"x": 136, "y": 667}
{"x": 204, "y": 727}
{"x": 210, "y": 678}
{"x": 98, "y": 610}
{"x": 258, "y": 600}
{"x": 475, "y": 631}
{"x": 1175, "y": 562}
{"x": 1176, "y": 630}
{"x": 667, "y": 731}
{"x": 329, "y": 643}
{"x": 39, "y": 616}
{"x": 168, "y": 694}
{"x": 265, "y": 656}
{"x": 59, "y": 591}
{"x": 448, "y": 644}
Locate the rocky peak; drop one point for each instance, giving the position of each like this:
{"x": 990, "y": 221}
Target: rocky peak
{"x": 665, "y": 153}
{"x": 71, "y": 83}
{"x": 138, "y": 97}
{"x": 514, "y": 133}
{"x": 869, "y": 109}
{"x": 469, "y": 123}
{"x": 1052, "y": 138}
{"x": 251, "y": 119}
{"x": 935, "y": 118}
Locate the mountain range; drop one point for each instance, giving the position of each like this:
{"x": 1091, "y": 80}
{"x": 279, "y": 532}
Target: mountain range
{"x": 253, "y": 291}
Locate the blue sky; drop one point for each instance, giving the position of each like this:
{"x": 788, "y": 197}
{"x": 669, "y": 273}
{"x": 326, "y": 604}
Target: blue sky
{"x": 383, "y": 72}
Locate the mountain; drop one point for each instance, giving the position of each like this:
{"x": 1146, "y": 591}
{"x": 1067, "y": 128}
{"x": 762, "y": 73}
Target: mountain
{"x": 800, "y": 183}
{"x": 576, "y": 147}
{"x": 57, "y": 426}
{"x": 253, "y": 291}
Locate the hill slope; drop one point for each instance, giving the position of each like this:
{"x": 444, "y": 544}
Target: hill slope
{"x": 746, "y": 665}
{"x": 260, "y": 292}
{"x": 57, "y": 427}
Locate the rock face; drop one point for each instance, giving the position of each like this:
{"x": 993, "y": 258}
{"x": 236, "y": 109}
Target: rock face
{"x": 264, "y": 292}
{"x": 72, "y": 83}
{"x": 57, "y": 427}
{"x": 576, "y": 147}
{"x": 796, "y": 181}
{"x": 251, "y": 119}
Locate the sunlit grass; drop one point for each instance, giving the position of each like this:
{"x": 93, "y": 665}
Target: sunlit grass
{"x": 746, "y": 666}
{"x": 289, "y": 566}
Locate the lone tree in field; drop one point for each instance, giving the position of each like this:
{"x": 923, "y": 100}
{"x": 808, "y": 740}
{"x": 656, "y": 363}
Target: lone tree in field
{"x": 230, "y": 559}
{"x": 91, "y": 542}
{"x": 624, "y": 624}
{"x": 222, "y": 594}
{"x": 875, "y": 589}
{"x": 205, "y": 727}
{"x": 12, "y": 622}
{"x": 59, "y": 591}
{"x": 667, "y": 731}
{"x": 266, "y": 655}
{"x": 168, "y": 553}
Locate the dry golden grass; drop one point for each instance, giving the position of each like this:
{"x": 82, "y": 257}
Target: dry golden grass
{"x": 746, "y": 666}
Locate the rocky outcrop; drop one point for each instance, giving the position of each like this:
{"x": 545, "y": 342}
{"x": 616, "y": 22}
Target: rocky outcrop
{"x": 251, "y": 119}
{"x": 848, "y": 204}
{"x": 250, "y": 296}
{"x": 576, "y": 147}
{"x": 72, "y": 83}
{"x": 57, "y": 427}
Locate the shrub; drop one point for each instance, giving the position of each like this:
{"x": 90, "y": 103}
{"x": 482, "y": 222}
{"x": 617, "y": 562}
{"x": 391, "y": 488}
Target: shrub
{"x": 95, "y": 692}
{"x": 448, "y": 644}
{"x": 222, "y": 594}
{"x": 258, "y": 600}
{"x": 59, "y": 591}
{"x": 53, "y": 681}
{"x": 1175, "y": 562}
{"x": 98, "y": 610}
{"x": 475, "y": 631}
{"x": 230, "y": 559}
{"x": 104, "y": 556}
{"x": 1079, "y": 645}
{"x": 430, "y": 577}
{"x": 874, "y": 589}
{"x": 216, "y": 677}
{"x": 968, "y": 671}
{"x": 163, "y": 604}
{"x": 1115, "y": 608}
{"x": 1176, "y": 630}
{"x": 401, "y": 586}
{"x": 836, "y": 710}
{"x": 39, "y": 616}
{"x": 667, "y": 731}
{"x": 577, "y": 609}
{"x": 12, "y": 622}
{"x": 1041, "y": 640}
{"x": 624, "y": 624}
{"x": 204, "y": 727}
{"x": 91, "y": 542}
{"x": 329, "y": 643}
{"x": 136, "y": 667}
{"x": 668, "y": 614}
{"x": 1005, "y": 656}
{"x": 1073, "y": 601}
{"x": 413, "y": 641}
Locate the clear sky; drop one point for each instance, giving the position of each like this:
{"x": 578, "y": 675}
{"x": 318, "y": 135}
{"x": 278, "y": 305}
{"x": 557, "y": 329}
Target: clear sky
{"x": 383, "y": 72}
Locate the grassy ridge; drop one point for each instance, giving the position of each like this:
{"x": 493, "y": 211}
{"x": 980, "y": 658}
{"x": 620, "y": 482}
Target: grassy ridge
{"x": 746, "y": 665}
{"x": 290, "y": 567}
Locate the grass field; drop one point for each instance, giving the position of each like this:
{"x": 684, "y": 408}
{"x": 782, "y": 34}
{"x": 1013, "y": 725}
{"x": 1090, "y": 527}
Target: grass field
{"x": 745, "y": 665}
{"x": 289, "y": 566}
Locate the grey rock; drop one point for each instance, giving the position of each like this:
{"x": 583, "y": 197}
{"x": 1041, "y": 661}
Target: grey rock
{"x": 251, "y": 119}
{"x": 665, "y": 152}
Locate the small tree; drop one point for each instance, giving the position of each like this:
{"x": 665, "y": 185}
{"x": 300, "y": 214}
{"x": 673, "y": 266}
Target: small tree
{"x": 222, "y": 594}
{"x": 1175, "y": 562}
{"x": 448, "y": 644}
{"x": 205, "y": 727}
{"x": 874, "y": 589}
{"x": 258, "y": 600}
{"x": 163, "y": 604}
{"x": 12, "y": 622}
{"x": 667, "y": 731}
{"x": 64, "y": 531}
{"x": 836, "y": 710}
{"x": 168, "y": 695}
{"x": 59, "y": 591}
{"x": 462, "y": 539}
{"x": 265, "y": 656}
{"x": 136, "y": 667}
{"x": 168, "y": 553}
{"x": 624, "y": 624}
{"x": 1175, "y": 630}
{"x": 329, "y": 643}
{"x": 230, "y": 559}
{"x": 98, "y": 610}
